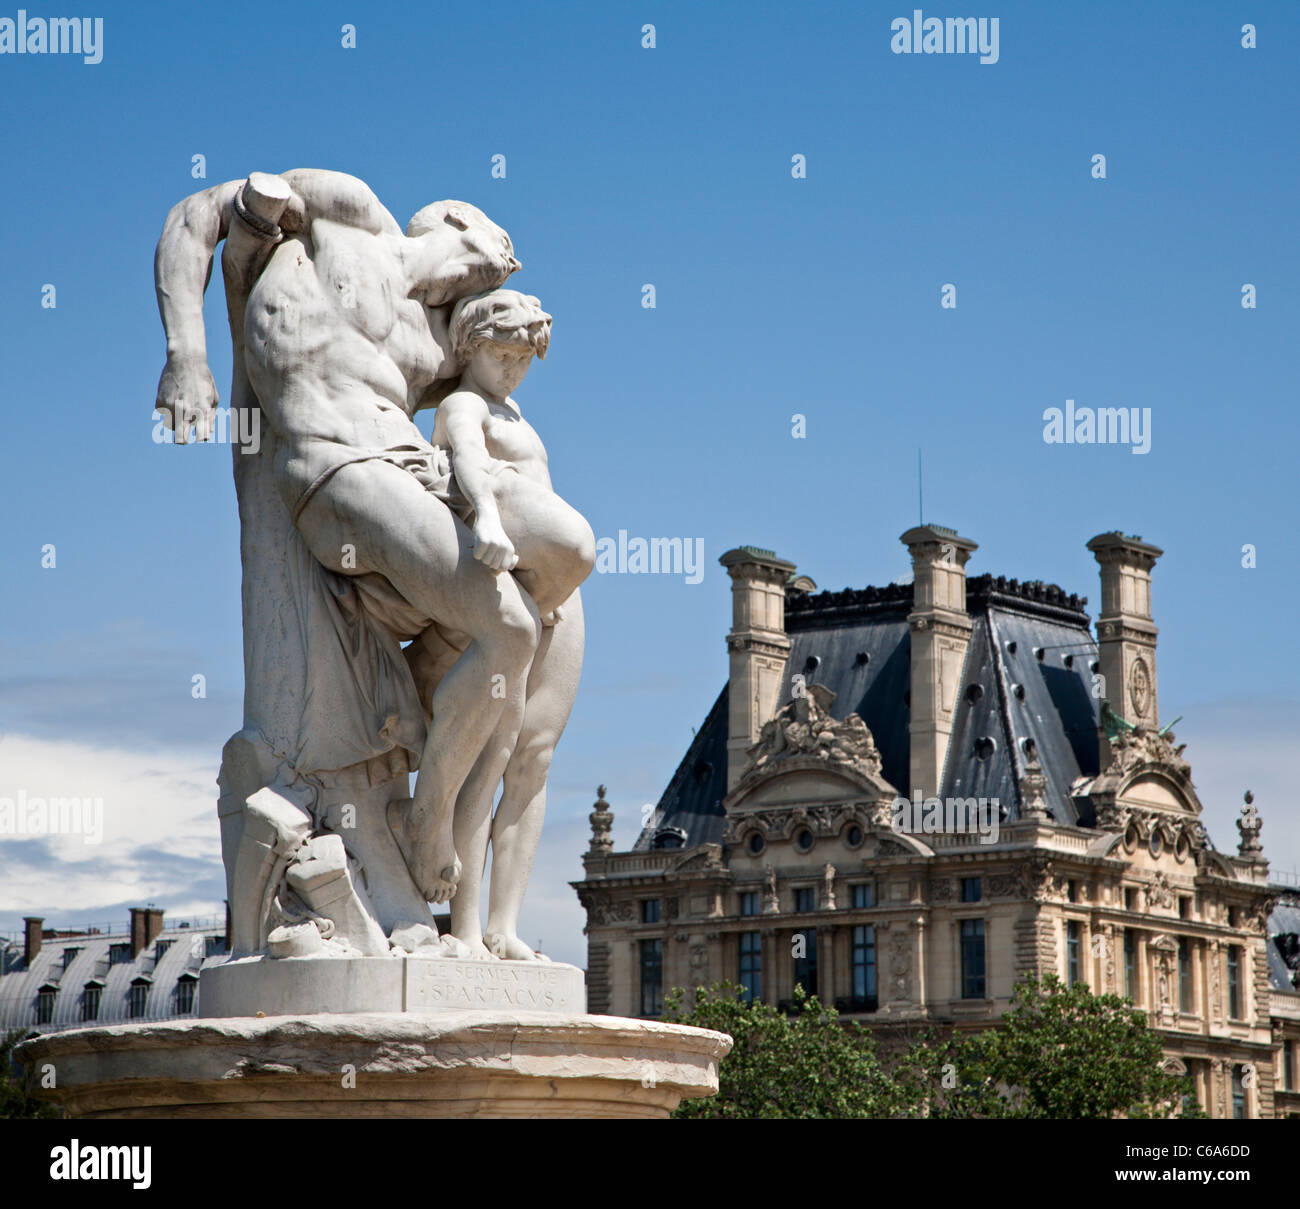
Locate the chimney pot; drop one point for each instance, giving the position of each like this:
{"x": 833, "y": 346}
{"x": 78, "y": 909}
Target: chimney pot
{"x": 32, "y": 936}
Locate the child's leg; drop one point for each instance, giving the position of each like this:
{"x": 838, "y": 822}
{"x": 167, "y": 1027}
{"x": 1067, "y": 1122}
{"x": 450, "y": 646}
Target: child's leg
{"x": 556, "y": 547}
{"x": 517, "y": 827}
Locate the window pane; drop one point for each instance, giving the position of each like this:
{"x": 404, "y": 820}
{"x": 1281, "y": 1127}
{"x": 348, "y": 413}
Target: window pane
{"x": 972, "y": 959}
{"x": 652, "y": 977}
{"x": 864, "y": 966}
{"x": 751, "y": 964}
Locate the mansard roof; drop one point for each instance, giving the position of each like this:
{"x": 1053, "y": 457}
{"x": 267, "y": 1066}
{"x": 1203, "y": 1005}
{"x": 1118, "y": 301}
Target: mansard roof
{"x": 176, "y": 952}
{"x": 1027, "y": 679}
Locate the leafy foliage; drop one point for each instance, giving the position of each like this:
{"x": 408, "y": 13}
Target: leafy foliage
{"x": 1060, "y": 1053}
{"x": 806, "y": 1065}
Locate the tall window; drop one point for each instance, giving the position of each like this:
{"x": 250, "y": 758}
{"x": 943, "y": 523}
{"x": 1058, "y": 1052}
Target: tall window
{"x": 652, "y": 977}
{"x": 1130, "y": 965}
{"x": 184, "y": 996}
{"x": 137, "y": 999}
{"x": 1234, "y": 982}
{"x": 864, "y": 966}
{"x": 69, "y": 956}
{"x": 1288, "y": 1066}
{"x": 805, "y": 899}
{"x": 863, "y": 895}
{"x": 972, "y": 959}
{"x": 1238, "y": 1094}
{"x": 1073, "y": 952}
{"x": 971, "y": 890}
{"x": 805, "y": 967}
{"x": 649, "y": 910}
{"x": 90, "y": 1001}
{"x": 45, "y": 1004}
{"x": 119, "y": 954}
{"x": 749, "y": 902}
{"x": 751, "y": 964}
{"x": 1184, "y": 974}
{"x": 161, "y": 946}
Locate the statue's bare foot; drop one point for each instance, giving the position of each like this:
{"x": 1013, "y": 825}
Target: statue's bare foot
{"x": 508, "y": 946}
{"x": 478, "y": 951}
{"x": 431, "y": 858}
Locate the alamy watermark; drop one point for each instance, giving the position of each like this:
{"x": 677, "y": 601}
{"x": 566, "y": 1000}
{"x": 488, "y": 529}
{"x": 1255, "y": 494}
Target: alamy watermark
{"x": 1098, "y": 426}
{"x": 920, "y": 35}
{"x": 947, "y": 816}
{"x": 26, "y": 35}
{"x": 25, "y": 815}
{"x": 223, "y": 425}
{"x": 651, "y": 556}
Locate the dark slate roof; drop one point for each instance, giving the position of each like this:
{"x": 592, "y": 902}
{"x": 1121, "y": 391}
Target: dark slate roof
{"x": 1284, "y": 941}
{"x": 693, "y": 799}
{"x": 856, "y": 642}
{"x": 1026, "y": 687}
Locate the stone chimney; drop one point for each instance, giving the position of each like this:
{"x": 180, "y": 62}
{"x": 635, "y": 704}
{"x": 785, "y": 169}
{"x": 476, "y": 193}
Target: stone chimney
{"x": 940, "y": 629}
{"x": 146, "y": 925}
{"x": 1126, "y": 635}
{"x": 32, "y": 925}
{"x": 758, "y": 647}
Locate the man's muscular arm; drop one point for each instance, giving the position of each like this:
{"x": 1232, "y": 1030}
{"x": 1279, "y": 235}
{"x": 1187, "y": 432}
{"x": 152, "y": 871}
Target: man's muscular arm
{"x": 187, "y": 394}
{"x": 182, "y": 266}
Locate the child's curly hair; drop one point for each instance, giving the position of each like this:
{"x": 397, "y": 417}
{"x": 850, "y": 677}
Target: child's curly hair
{"x": 501, "y": 317}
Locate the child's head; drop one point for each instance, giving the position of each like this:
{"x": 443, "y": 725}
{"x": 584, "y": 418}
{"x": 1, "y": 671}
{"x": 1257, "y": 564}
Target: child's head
{"x": 504, "y": 317}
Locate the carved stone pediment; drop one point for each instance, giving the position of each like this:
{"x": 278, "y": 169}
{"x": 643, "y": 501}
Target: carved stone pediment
{"x": 804, "y": 727}
{"x": 804, "y": 753}
{"x": 707, "y": 858}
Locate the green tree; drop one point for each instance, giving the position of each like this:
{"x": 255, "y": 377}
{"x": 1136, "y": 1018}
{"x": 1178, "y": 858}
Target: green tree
{"x": 804, "y": 1065}
{"x": 16, "y": 1099}
{"x": 1061, "y": 1053}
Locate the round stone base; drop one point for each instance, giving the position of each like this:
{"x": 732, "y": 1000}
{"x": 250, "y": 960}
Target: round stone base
{"x": 381, "y": 1064}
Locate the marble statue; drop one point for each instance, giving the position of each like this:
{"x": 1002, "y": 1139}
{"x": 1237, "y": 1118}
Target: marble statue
{"x": 409, "y": 605}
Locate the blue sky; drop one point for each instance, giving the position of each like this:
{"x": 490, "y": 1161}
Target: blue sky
{"x": 775, "y": 296}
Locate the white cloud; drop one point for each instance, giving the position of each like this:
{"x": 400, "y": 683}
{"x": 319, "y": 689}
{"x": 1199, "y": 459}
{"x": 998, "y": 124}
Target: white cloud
{"x": 159, "y": 833}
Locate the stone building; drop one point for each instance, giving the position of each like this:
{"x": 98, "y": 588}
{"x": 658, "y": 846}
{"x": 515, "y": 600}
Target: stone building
{"x": 53, "y": 980}
{"x": 905, "y": 798}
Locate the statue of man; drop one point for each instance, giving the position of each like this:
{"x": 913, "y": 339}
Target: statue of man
{"x": 340, "y": 325}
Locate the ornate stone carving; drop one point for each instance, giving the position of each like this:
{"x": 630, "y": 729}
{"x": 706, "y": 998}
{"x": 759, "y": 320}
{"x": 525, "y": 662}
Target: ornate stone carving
{"x": 1139, "y": 688}
{"x": 771, "y": 900}
{"x": 941, "y": 890}
{"x": 1158, "y": 892}
{"x": 1014, "y": 884}
{"x": 804, "y": 727}
{"x": 900, "y": 961}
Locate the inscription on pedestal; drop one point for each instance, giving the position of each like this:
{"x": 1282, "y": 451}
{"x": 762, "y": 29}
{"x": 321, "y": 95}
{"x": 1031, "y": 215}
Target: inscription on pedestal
{"x": 442, "y": 984}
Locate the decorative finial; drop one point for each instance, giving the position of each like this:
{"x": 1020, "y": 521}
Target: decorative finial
{"x": 1250, "y": 825}
{"x": 602, "y": 822}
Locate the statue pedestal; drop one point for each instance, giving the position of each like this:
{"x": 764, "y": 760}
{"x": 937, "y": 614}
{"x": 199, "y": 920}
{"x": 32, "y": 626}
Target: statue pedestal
{"x": 303, "y": 986}
{"x": 489, "y": 1063}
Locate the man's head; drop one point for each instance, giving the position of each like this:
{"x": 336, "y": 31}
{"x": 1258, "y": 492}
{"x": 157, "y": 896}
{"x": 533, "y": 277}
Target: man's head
{"x": 460, "y": 251}
{"x": 496, "y": 334}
